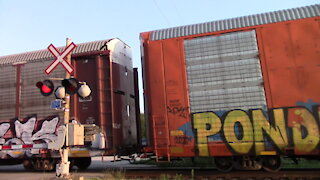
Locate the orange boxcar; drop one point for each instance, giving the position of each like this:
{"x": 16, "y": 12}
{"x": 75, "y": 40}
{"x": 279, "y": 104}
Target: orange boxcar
{"x": 246, "y": 88}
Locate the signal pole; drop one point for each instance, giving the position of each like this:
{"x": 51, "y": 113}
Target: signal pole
{"x": 67, "y": 105}
{"x": 65, "y": 164}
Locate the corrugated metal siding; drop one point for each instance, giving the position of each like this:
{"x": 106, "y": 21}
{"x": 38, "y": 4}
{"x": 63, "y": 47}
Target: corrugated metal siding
{"x": 46, "y": 55}
{"x": 224, "y": 72}
{"x": 32, "y": 70}
{"x": 240, "y": 22}
{"x": 31, "y": 100}
{"x": 7, "y": 92}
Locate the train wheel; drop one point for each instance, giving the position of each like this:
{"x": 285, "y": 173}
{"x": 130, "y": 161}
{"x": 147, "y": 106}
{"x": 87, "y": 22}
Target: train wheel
{"x": 27, "y": 164}
{"x": 247, "y": 163}
{"x": 272, "y": 163}
{"x": 48, "y": 165}
{"x": 39, "y": 164}
{"x": 223, "y": 164}
{"x": 82, "y": 163}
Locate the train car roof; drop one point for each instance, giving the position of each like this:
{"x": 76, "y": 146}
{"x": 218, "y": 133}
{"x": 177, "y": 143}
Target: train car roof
{"x": 44, "y": 54}
{"x": 238, "y": 22}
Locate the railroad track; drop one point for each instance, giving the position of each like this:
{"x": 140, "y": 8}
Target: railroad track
{"x": 179, "y": 174}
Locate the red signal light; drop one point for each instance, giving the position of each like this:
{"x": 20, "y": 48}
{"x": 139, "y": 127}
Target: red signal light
{"x": 71, "y": 85}
{"x": 46, "y": 87}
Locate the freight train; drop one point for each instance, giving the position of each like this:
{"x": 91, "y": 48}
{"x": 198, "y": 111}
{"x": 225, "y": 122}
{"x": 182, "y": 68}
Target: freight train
{"x": 243, "y": 91}
{"x": 109, "y": 113}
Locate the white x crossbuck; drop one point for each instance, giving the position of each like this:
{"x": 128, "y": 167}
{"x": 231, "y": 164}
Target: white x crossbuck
{"x": 60, "y": 58}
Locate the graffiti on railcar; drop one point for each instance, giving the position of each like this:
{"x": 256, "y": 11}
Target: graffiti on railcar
{"x": 258, "y": 132}
{"x": 27, "y": 131}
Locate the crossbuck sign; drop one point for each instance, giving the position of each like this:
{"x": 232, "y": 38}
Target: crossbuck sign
{"x": 60, "y": 58}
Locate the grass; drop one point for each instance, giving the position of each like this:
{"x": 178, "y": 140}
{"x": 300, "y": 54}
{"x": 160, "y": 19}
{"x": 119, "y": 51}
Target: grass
{"x": 168, "y": 177}
{"x": 302, "y": 163}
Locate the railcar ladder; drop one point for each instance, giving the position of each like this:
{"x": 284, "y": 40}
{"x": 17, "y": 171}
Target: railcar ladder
{"x": 161, "y": 137}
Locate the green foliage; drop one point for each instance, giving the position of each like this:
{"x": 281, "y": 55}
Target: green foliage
{"x": 302, "y": 163}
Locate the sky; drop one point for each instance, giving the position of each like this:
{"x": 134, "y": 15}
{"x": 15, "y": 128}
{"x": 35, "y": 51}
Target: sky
{"x": 28, "y": 25}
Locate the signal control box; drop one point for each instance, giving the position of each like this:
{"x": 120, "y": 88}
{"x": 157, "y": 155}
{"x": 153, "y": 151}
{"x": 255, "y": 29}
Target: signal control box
{"x": 75, "y": 134}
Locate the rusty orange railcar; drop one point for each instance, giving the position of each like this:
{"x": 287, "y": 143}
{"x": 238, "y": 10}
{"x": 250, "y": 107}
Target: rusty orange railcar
{"x": 243, "y": 90}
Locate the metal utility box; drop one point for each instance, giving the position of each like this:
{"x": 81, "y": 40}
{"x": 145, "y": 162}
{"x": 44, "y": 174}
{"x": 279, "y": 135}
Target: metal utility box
{"x": 75, "y": 135}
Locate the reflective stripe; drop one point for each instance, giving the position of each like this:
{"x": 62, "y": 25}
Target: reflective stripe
{"x": 268, "y": 153}
{"x": 16, "y": 147}
{"x": 24, "y": 146}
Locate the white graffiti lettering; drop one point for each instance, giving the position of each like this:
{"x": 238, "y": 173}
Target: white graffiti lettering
{"x": 25, "y": 133}
{"x": 4, "y": 127}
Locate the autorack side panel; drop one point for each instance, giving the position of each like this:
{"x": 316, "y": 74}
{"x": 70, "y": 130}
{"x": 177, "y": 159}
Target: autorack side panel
{"x": 180, "y": 128}
{"x": 291, "y": 59}
{"x": 291, "y": 66}
{"x": 94, "y": 69}
{"x": 20, "y": 94}
{"x": 167, "y": 97}
{"x": 111, "y": 104}
{"x": 123, "y": 102}
{"x": 8, "y": 83}
{"x": 31, "y": 101}
{"x": 259, "y": 123}
{"x": 124, "y": 105}
{"x": 179, "y": 67}
{"x": 224, "y": 74}
{"x": 154, "y": 89}
{"x": 84, "y": 110}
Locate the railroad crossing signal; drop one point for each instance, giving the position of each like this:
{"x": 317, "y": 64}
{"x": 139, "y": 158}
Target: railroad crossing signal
{"x": 46, "y": 87}
{"x": 73, "y": 86}
{"x": 60, "y": 92}
{"x": 60, "y": 58}
{"x": 70, "y": 86}
{"x": 84, "y": 91}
